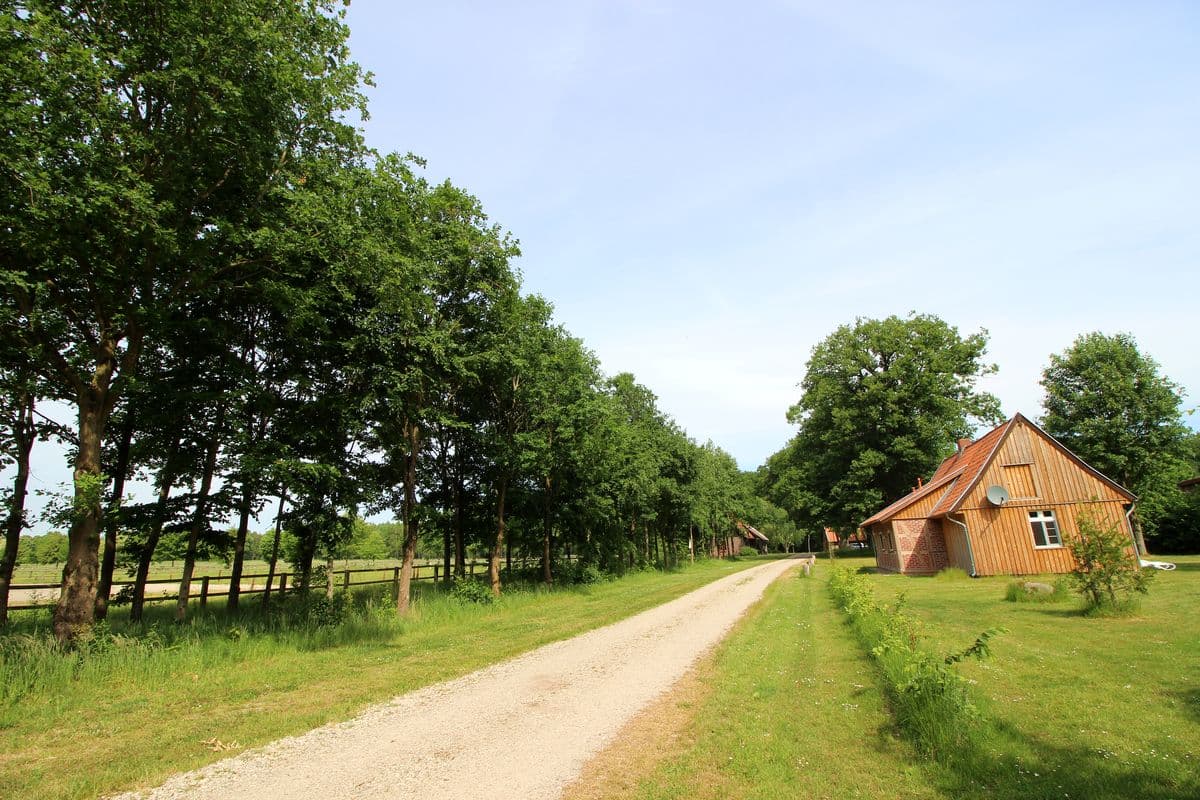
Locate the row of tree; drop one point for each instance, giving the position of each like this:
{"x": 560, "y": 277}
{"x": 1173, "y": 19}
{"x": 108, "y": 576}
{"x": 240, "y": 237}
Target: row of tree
{"x": 249, "y": 308}
{"x": 884, "y": 401}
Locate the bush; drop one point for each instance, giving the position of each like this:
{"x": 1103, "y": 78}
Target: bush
{"x": 930, "y": 698}
{"x": 1106, "y": 574}
{"x": 1032, "y": 591}
{"x": 469, "y": 590}
{"x": 581, "y": 574}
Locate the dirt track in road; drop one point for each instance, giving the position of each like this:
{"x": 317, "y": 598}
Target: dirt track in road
{"x": 522, "y": 729}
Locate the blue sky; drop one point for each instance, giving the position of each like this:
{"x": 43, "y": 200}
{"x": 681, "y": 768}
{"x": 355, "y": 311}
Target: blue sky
{"x": 706, "y": 192}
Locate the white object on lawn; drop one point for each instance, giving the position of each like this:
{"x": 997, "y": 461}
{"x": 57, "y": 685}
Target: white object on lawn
{"x": 1163, "y": 565}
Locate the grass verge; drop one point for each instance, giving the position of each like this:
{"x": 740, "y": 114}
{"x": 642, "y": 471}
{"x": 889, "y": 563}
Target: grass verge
{"x": 142, "y": 703}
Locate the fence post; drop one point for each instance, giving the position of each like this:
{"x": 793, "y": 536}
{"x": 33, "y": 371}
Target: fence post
{"x": 435, "y": 572}
{"x": 282, "y": 584}
{"x": 395, "y": 584}
{"x": 472, "y": 566}
{"x": 204, "y": 591}
{"x": 346, "y": 580}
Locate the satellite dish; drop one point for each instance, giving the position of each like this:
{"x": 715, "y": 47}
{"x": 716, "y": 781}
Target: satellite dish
{"x": 997, "y": 495}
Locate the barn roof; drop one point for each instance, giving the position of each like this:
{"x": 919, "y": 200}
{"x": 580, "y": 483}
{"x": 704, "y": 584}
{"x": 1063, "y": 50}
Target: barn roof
{"x": 960, "y": 473}
{"x": 751, "y": 532}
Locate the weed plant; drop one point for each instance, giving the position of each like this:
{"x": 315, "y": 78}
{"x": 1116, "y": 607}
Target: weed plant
{"x": 930, "y": 699}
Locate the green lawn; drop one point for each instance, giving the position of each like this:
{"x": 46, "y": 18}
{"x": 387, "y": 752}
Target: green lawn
{"x": 1073, "y": 707}
{"x": 134, "y": 712}
{"x": 1080, "y": 707}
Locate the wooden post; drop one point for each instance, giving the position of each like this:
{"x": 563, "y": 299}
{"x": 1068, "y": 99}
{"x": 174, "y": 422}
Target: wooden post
{"x": 435, "y": 573}
{"x": 283, "y": 584}
{"x": 395, "y": 584}
{"x": 204, "y": 591}
{"x": 346, "y": 581}
{"x": 472, "y": 566}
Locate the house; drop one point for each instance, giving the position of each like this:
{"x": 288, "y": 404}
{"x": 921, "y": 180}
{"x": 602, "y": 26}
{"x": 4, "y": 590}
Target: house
{"x": 1004, "y": 504}
{"x": 747, "y": 536}
{"x": 753, "y": 537}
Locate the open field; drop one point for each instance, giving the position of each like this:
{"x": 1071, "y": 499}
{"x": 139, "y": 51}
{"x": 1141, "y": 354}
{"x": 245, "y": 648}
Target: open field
{"x": 163, "y": 570}
{"x": 211, "y": 578}
{"x": 143, "y": 704}
{"x": 790, "y": 707}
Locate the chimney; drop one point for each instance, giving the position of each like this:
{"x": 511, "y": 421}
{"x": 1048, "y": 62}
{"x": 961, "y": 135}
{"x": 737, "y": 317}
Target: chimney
{"x": 962, "y": 445}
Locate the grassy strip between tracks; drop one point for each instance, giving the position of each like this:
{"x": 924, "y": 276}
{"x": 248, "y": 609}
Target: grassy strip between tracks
{"x": 142, "y": 703}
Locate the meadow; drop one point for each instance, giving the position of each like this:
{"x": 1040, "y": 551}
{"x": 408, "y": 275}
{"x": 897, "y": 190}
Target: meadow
{"x": 793, "y": 706}
{"x": 135, "y": 704}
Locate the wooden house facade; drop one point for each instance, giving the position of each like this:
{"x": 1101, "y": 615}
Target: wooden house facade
{"x": 1005, "y": 504}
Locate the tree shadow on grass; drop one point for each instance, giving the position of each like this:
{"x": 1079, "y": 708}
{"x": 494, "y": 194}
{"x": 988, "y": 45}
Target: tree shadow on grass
{"x": 1015, "y": 766}
{"x": 1191, "y": 701}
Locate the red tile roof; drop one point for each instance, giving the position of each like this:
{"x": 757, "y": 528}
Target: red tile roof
{"x": 960, "y": 473}
{"x": 973, "y": 460}
{"x": 934, "y": 485}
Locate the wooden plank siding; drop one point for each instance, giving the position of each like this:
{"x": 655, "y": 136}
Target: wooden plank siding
{"x": 1002, "y": 537}
{"x": 957, "y": 552}
{"x": 1038, "y": 473}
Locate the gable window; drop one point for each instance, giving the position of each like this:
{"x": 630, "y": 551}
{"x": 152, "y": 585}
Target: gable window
{"x": 1045, "y": 529}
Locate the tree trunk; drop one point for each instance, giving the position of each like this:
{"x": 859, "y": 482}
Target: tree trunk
{"x": 112, "y": 518}
{"x": 547, "y": 534}
{"x": 1139, "y": 536}
{"x": 498, "y": 546}
{"x": 24, "y": 434}
{"x": 166, "y": 481}
{"x": 413, "y": 436}
{"x": 460, "y": 546}
{"x": 200, "y": 519}
{"x": 692, "y": 544}
{"x": 76, "y": 606}
{"x": 239, "y": 546}
{"x": 274, "y": 549}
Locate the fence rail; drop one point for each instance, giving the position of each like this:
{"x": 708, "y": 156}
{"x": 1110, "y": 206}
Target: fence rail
{"x": 27, "y": 595}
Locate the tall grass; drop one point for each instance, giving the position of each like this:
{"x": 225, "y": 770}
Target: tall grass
{"x": 930, "y": 699}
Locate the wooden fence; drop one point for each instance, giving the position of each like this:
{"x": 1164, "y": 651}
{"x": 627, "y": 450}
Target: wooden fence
{"x": 26, "y": 595}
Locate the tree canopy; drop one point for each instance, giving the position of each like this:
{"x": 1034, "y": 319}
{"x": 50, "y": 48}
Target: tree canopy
{"x": 1111, "y": 405}
{"x": 248, "y": 307}
{"x": 883, "y": 402}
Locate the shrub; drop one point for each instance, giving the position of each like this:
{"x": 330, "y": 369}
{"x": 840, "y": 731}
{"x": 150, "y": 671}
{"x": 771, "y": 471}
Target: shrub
{"x": 930, "y": 698}
{"x": 469, "y": 590}
{"x": 1031, "y": 591}
{"x": 581, "y": 574}
{"x": 1106, "y": 574}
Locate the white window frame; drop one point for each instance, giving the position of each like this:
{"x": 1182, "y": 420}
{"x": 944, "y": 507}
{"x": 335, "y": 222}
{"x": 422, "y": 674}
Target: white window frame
{"x": 1045, "y": 520}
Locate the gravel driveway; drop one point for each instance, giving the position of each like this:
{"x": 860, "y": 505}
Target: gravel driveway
{"x": 521, "y": 729}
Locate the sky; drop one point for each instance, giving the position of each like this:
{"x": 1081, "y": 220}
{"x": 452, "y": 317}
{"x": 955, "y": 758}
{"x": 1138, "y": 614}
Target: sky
{"x": 704, "y": 193}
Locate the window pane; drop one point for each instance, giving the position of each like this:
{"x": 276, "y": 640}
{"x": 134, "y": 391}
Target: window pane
{"x": 1052, "y": 532}
{"x": 1039, "y": 533}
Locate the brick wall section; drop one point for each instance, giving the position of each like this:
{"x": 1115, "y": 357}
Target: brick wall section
{"x": 920, "y": 543}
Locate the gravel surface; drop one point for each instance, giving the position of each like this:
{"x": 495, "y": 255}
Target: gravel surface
{"x": 521, "y": 729}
